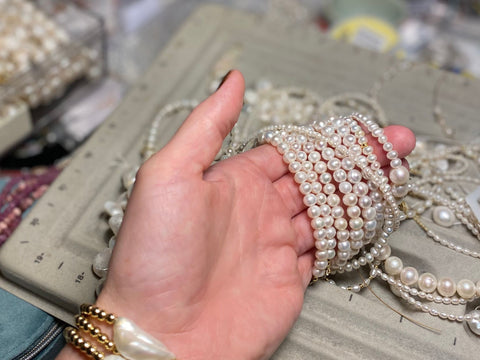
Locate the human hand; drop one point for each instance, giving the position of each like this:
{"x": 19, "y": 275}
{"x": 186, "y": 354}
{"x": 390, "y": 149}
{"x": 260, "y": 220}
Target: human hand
{"x": 214, "y": 260}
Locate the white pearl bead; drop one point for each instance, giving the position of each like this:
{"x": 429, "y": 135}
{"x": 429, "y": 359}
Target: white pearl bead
{"x": 337, "y": 211}
{"x": 356, "y": 223}
{"x": 309, "y": 199}
{"x": 353, "y": 211}
{"x": 341, "y": 224}
{"x": 313, "y": 211}
{"x": 427, "y": 282}
{"x": 343, "y": 235}
{"x": 365, "y": 202}
{"x": 385, "y": 252}
{"x": 345, "y": 187}
{"x": 320, "y": 167}
{"x": 348, "y": 163}
{"x": 409, "y": 275}
{"x": 101, "y": 261}
{"x": 349, "y": 199}
{"x": 478, "y": 288}
{"x": 400, "y": 190}
{"x": 115, "y": 222}
{"x": 446, "y": 287}
{"x": 134, "y": 343}
{"x": 354, "y": 176}
{"x": 393, "y": 265}
{"x": 369, "y": 213}
{"x": 466, "y": 288}
{"x": 300, "y": 177}
{"x": 370, "y": 225}
{"x": 317, "y": 223}
{"x": 340, "y": 175}
{"x": 360, "y": 189}
{"x": 112, "y": 208}
{"x": 399, "y": 176}
{"x": 443, "y": 216}
{"x": 356, "y": 235}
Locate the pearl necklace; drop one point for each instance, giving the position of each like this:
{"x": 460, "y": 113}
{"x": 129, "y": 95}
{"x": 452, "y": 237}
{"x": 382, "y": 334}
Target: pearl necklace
{"x": 340, "y": 145}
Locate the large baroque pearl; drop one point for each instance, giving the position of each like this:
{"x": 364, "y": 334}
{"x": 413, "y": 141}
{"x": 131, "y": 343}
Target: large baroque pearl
{"x": 474, "y": 323}
{"x": 443, "y": 216}
{"x": 135, "y": 344}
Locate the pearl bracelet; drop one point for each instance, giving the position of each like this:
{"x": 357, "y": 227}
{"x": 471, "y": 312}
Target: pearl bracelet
{"x": 129, "y": 341}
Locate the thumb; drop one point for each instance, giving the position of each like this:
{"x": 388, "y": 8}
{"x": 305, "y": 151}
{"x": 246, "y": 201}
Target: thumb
{"x": 196, "y": 143}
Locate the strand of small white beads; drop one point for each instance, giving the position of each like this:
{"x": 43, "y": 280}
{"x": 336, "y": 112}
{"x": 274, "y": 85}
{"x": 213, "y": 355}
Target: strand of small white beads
{"x": 115, "y": 209}
{"x": 336, "y": 168}
{"x": 408, "y": 284}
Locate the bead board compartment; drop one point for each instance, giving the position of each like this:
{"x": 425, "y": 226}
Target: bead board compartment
{"x": 50, "y": 254}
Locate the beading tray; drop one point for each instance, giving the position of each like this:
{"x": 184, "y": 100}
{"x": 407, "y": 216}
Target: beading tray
{"x": 48, "y": 260}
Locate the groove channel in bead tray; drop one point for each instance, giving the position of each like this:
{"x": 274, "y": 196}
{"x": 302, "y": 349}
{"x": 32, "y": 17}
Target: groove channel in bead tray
{"x": 51, "y": 254}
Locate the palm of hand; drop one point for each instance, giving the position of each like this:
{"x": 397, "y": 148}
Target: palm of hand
{"x": 219, "y": 259}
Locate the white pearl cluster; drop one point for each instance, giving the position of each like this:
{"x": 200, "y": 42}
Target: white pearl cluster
{"x": 38, "y": 59}
{"x": 345, "y": 190}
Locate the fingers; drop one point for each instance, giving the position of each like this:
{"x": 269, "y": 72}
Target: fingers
{"x": 288, "y": 190}
{"x": 267, "y": 158}
{"x": 402, "y": 139}
{"x": 303, "y": 229}
{"x": 198, "y": 140}
{"x": 305, "y": 264}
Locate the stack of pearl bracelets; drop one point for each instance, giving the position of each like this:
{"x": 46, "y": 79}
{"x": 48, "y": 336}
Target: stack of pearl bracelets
{"x": 349, "y": 198}
{"x": 129, "y": 341}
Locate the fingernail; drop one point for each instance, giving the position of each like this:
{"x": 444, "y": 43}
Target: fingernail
{"x": 224, "y": 79}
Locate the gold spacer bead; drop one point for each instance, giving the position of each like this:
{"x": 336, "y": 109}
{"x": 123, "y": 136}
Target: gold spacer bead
{"x": 99, "y": 356}
{"x": 110, "y": 345}
{"x": 103, "y": 338}
{"x": 95, "y": 332}
{"x": 84, "y": 345}
{"x": 91, "y": 350}
{"x": 79, "y": 341}
{"x": 110, "y": 318}
{"x": 96, "y": 311}
{"x": 102, "y": 315}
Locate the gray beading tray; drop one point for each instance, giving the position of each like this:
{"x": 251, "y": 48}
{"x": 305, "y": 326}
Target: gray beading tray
{"x": 48, "y": 259}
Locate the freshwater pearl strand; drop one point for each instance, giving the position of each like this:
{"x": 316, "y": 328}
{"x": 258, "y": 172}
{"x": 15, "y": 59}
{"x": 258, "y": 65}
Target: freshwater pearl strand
{"x": 340, "y": 146}
{"x": 433, "y": 174}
